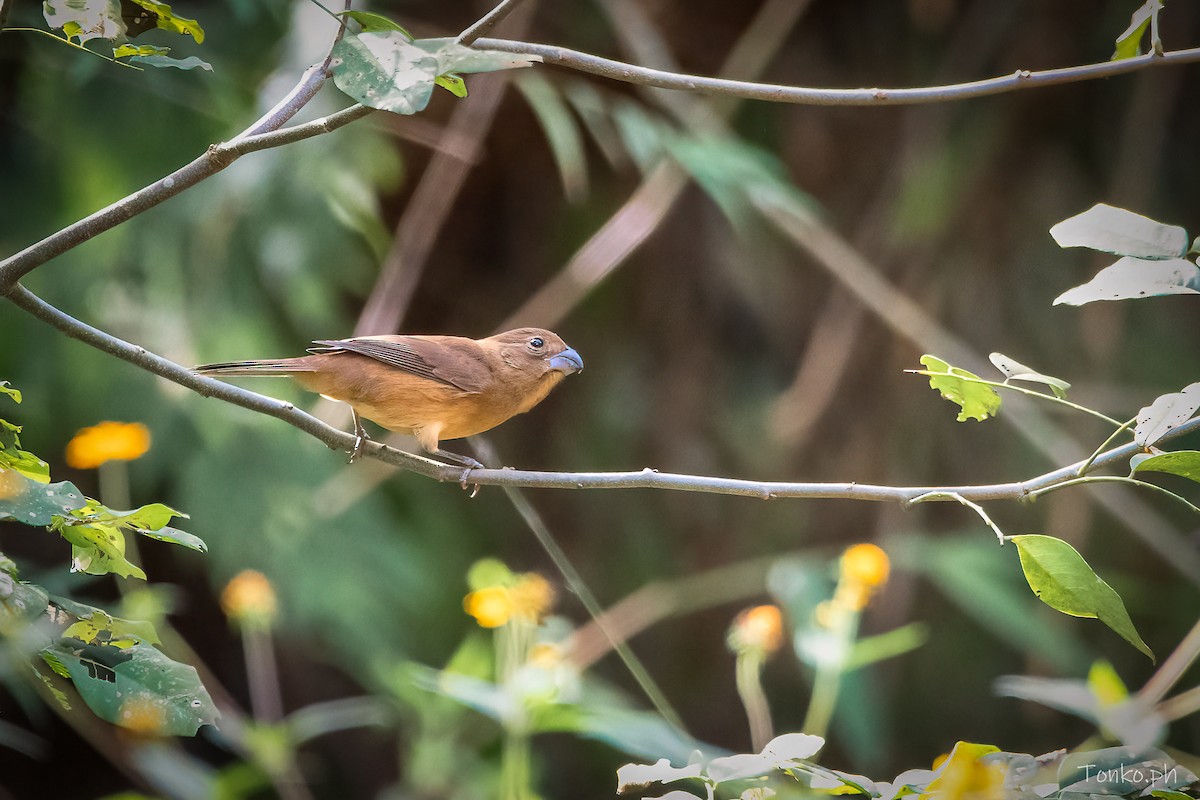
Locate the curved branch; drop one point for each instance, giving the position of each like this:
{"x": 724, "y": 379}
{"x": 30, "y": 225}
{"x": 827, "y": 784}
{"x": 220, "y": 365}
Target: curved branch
{"x": 645, "y": 479}
{"x": 776, "y": 93}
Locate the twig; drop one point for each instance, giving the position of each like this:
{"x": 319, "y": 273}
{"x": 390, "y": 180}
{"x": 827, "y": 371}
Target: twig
{"x": 776, "y": 93}
{"x": 1113, "y": 479}
{"x": 488, "y": 22}
{"x": 1174, "y": 667}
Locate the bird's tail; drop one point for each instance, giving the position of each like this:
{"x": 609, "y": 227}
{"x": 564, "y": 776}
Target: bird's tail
{"x": 276, "y": 367}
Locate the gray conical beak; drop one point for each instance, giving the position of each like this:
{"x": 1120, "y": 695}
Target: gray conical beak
{"x": 567, "y": 361}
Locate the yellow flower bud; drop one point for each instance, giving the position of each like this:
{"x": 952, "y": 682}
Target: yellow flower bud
{"x": 532, "y": 597}
{"x": 249, "y": 599}
{"x": 866, "y": 564}
{"x": 107, "y": 441}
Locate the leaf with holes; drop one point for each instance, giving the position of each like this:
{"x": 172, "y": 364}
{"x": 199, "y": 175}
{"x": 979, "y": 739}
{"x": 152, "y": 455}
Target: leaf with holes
{"x": 959, "y": 386}
{"x": 85, "y": 19}
{"x": 1016, "y": 371}
{"x": 1135, "y": 278}
{"x": 136, "y": 687}
{"x": 1061, "y": 578}
{"x": 144, "y": 14}
{"x": 97, "y": 549}
{"x": 1166, "y": 413}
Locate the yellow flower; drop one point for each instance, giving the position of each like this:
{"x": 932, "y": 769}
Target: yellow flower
{"x": 491, "y": 606}
{"x": 528, "y": 599}
{"x": 249, "y": 599}
{"x": 864, "y": 570}
{"x": 107, "y": 441}
{"x": 757, "y": 629}
{"x": 965, "y": 777}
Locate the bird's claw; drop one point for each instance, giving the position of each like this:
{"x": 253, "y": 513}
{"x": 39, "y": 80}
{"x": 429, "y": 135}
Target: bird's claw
{"x": 462, "y": 481}
{"x": 360, "y": 446}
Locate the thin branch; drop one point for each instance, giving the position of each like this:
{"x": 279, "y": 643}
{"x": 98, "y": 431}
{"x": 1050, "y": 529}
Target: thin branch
{"x": 506, "y": 7}
{"x": 776, "y": 93}
{"x": 645, "y": 479}
{"x": 1173, "y": 668}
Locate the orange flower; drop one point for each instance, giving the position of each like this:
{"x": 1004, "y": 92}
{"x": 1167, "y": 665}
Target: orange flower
{"x": 107, "y": 441}
{"x": 757, "y": 629}
{"x": 249, "y": 599}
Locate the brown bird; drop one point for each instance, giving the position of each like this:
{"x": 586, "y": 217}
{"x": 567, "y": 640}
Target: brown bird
{"x": 432, "y": 387}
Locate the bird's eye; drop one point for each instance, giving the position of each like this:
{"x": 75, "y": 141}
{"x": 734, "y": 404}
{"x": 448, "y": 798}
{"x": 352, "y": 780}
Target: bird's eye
{"x": 536, "y": 343}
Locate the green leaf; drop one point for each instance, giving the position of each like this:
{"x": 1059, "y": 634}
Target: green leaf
{"x": 1129, "y": 43}
{"x": 150, "y": 517}
{"x": 9, "y": 439}
{"x": 139, "y": 50}
{"x": 452, "y": 84}
{"x": 191, "y": 62}
{"x": 371, "y": 22}
{"x": 19, "y": 601}
{"x": 1185, "y": 463}
{"x": 1166, "y": 413}
{"x": 886, "y": 645}
{"x": 1120, "y": 232}
{"x": 1135, "y": 278}
{"x": 6, "y": 389}
{"x": 1016, "y": 371}
{"x": 1168, "y": 794}
{"x": 163, "y": 18}
{"x": 25, "y": 463}
{"x": 388, "y": 71}
{"x": 175, "y": 536}
{"x": 97, "y": 549}
{"x": 85, "y": 19}
{"x": 1061, "y": 578}
{"x": 958, "y": 386}
{"x": 137, "y": 685}
{"x": 26, "y": 500}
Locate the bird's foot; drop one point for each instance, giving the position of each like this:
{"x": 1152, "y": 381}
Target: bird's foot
{"x": 360, "y": 445}
{"x": 462, "y": 481}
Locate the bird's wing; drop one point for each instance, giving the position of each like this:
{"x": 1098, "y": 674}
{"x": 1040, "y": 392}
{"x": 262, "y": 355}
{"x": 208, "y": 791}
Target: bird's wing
{"x": 434, "y": 358}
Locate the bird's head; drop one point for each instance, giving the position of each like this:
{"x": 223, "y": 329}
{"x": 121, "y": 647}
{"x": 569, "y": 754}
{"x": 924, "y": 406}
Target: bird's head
{"x": 538, "y": 352}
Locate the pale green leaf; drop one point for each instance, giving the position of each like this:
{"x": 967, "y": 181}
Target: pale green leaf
{"x": 1016, "y": 371}
{"x": 454, "y": 57}
{"x": 1185, "y": 463}
{"x": 1134, "y": 278}
{"x": 1061, "y": 578}
{"x": 959, "y": 386}
{"x": 1166, "y": 413}
{"x": 175, "y": 536}
{"x": 191, "y": 62}
{"x": 98, "y": 549}
{"x": 7, "y": 389}
{"x": 1121, "y": 232}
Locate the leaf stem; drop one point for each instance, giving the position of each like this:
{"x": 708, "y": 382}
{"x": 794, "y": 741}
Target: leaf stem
{"x": 1083, "y": 468}
{"x": 955, "y": 496}
{"x": 1110, "y": 479}
{"x": 1003, "y": 385}
{"x": 69, "y": 43}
